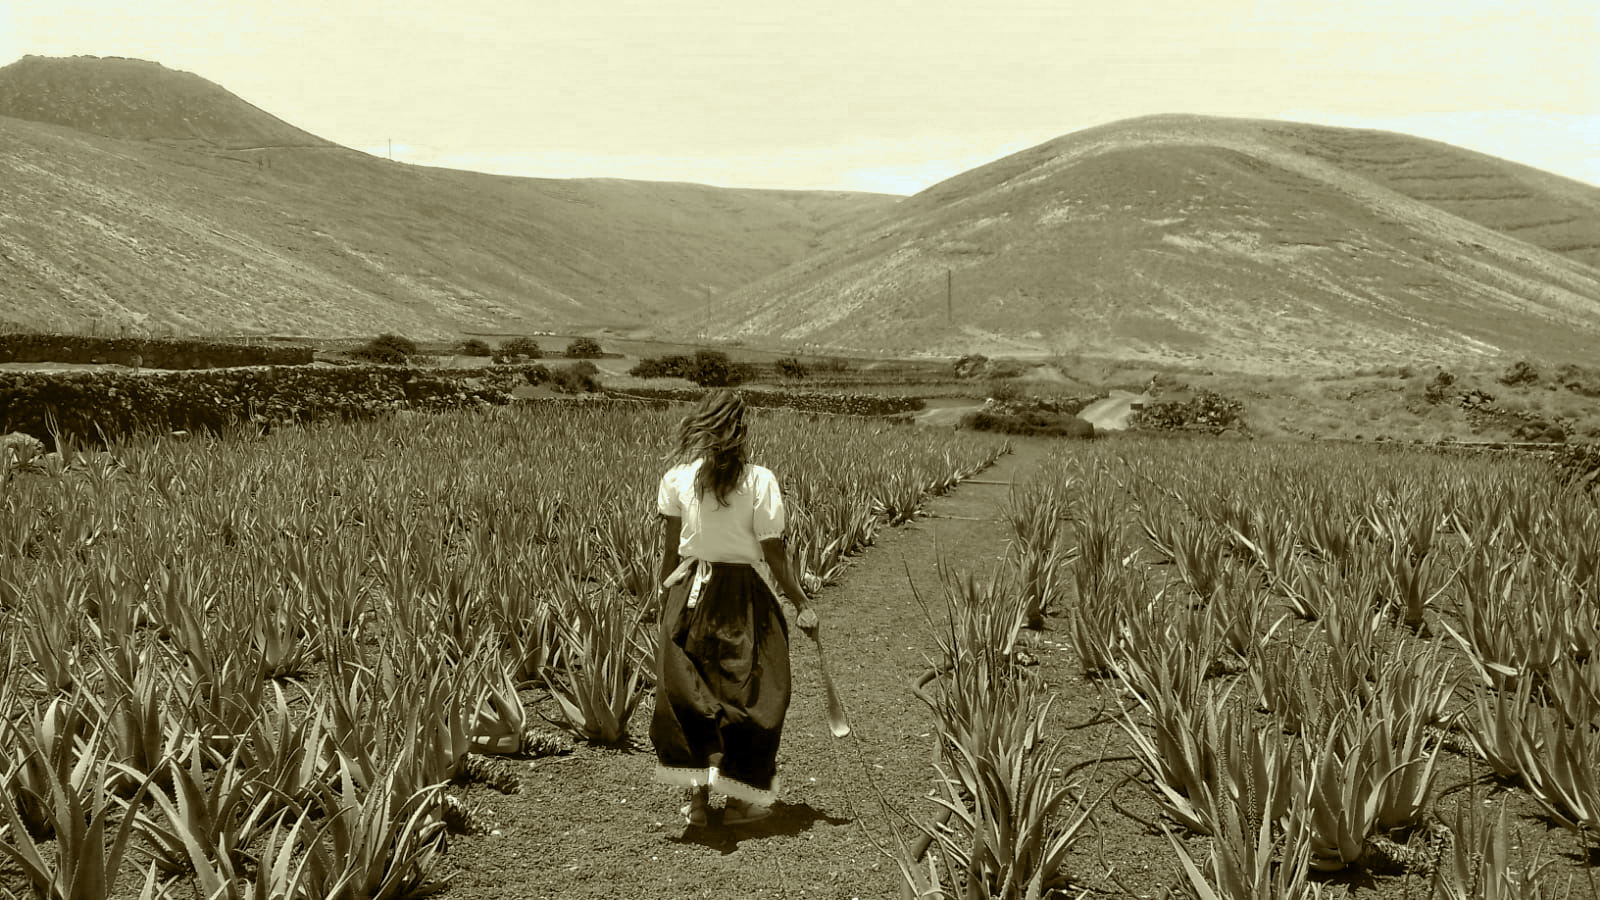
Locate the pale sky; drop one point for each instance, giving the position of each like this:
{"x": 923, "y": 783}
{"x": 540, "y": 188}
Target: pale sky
{"x": 849, "y": 94}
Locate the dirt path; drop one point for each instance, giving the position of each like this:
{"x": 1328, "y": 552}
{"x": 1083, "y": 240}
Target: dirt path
{"x": 593, "y": 824}
{"x": 1111, "y": 413}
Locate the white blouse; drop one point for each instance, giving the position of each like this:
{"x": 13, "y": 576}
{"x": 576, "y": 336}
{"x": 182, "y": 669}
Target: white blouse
{"x": 731, "y": 533}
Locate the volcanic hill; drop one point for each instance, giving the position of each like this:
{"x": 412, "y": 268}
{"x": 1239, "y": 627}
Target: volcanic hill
{"x": 137, "y": 196}
{"x": 1249, "y": 245}
{"x": 134, "y": 196}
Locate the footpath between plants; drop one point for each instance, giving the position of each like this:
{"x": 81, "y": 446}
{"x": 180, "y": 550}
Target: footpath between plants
{"x": 593, "y": 824}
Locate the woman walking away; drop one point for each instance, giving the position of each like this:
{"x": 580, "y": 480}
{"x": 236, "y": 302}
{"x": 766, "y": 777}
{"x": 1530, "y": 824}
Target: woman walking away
{"x": 722, "y": 685}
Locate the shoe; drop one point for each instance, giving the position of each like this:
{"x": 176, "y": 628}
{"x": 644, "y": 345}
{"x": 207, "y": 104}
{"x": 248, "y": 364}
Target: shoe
{"x": 694, "y": 812}
{"x": 739, "y": 812}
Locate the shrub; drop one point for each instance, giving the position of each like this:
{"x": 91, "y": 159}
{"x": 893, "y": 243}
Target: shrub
{"x": 1438, "y": 390}
{"x": 528, "y": 348}
{"x": 473, "y": 347}
{"x": 584, "y": 348}
{"x": 570, "y": 380}
{"x": 707, "y": 368}
{"x": 584, "y": 367}
{"x": 1004, "y": 368}
{"x": 1027, "y": 422}
{"x": 971, "y": 365}
{"x": 711, "y": 368}
{"x": 1579, "y": 464}
{"x": 1520, "y": 372}
{"x": 1004, "y": 391}
{"x": 662, "y": 367}
{"x": 790, "y": 367}
{"x": 1579, "y": 380}
{"x": 390, "y": 349}
{"x": 1538, "y": 430}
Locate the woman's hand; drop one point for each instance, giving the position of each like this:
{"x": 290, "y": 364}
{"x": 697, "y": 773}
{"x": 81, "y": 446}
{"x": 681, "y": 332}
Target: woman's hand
{"x": 807, "y": 620}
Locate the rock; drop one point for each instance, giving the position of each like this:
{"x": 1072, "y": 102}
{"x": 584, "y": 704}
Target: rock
{"x": 18, "y": 449}
{"x": 1079, "y": 428}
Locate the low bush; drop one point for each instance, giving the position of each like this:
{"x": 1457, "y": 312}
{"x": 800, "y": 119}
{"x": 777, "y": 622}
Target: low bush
{"x": 473, "y": 347}
{"x": 1580, "y": 380}
{"x": 1521, "y": 372}
{"x": 1027, "y": 422}
{"x": 707, "y": 368}
{"x": 1440, "y": 388}
{"x": 575, "y": 379}
{"x": 673, "y": 366}
{"x": 1004, "y": 391}
{"x": 970, "y": 366}
{"x": 388, "y": 349}
{"x": 1540, "y": 431}
{"x": 791, "y": 367}
{"x": 712, "y": 368}
{"x": 1579, "y": 465}
{"x": 520, "y": 348}
{"x": 584, "y": 348}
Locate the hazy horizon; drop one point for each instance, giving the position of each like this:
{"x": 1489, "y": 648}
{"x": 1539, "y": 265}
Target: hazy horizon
{"x": 851, "y": 96}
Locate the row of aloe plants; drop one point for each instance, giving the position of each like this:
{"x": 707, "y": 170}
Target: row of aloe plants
{"x": 262, "y": 660}
{"x": 1299, "y": 633}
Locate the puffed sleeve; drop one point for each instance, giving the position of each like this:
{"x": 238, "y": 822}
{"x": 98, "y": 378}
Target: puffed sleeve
{"x": 669, "y": 500}
{"x": 768, "y": 502}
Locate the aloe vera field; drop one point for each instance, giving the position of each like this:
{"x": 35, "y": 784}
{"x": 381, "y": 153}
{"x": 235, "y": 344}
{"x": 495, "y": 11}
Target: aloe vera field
{"x": 412, "y": 656}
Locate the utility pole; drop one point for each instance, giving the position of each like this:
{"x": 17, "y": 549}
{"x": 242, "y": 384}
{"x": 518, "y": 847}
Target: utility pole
{"x": 949, "y": 297}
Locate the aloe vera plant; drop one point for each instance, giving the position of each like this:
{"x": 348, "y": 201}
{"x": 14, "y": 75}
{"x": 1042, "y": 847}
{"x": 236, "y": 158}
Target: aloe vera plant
{"x": 211, "y": 816}
{"x": 89, "y": 845}
{"x": 1011, "y": 823}
{"x": 377, "y": 843}
{"x": 1253, "y": 857}
{"x": 598, "y": 694}
{"x": 1344, "y": 792}
{"x": 1201, "y": 555}
{"x": 286, "y": 755}
{"x": 1563, "y": 774}
{"x": 52, "y": 621}
{"x": 1480, "y": 863}
{"x": 55, "y": 766}
{"x": 134, "y": 712}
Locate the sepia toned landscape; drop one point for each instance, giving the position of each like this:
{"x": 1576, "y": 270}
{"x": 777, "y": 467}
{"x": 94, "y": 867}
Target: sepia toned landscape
{"x": 1195, "y": 507}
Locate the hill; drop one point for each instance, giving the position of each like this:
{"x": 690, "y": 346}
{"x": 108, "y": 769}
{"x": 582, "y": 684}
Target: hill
{"x": 139, "y": 100}
{"x": 181, "y": 208}
{"x": 1249, "y": 245}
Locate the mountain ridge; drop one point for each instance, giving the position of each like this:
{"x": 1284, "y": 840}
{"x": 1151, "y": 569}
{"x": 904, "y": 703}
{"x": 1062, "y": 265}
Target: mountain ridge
{"x": 144, "y": 198}
{"x": 116, "y": 232}
{"x": 1198, "y": 240}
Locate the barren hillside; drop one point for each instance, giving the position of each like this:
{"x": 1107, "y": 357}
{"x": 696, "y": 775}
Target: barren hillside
{"x": 1248, "y": 245}
{"x": 114, "y": 215}
{"x": 139, "y": 100}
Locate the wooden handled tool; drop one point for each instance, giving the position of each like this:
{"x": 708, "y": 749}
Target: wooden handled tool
{"x": 837, "y": 723}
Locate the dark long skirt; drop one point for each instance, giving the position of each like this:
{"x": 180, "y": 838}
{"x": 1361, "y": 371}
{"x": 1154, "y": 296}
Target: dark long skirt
{"x": 722, "y": 685}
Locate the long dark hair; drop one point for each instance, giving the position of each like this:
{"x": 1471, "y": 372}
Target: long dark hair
{"x": 715, "y": 433}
